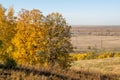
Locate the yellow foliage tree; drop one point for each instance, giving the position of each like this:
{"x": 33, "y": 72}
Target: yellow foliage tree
{"x": 29, "y": 39}
{"x": 7, "y": 31}
{"x": 32, "y": 38}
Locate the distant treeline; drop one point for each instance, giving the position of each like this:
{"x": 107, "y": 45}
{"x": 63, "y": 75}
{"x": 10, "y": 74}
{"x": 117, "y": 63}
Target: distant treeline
{"x": 96, "y": 30}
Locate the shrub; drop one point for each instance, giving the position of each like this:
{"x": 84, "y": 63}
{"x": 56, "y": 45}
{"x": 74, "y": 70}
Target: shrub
{"x": 117, "y": 54}
{"x": 105, "y": 55}
{"x": 93, "y": 55}
{"x": 78, "y": 56}
{"x": 10, "y": 63}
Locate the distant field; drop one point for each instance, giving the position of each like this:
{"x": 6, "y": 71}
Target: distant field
{"x": 95, "y": 38}
{"x": 82, "y": 43}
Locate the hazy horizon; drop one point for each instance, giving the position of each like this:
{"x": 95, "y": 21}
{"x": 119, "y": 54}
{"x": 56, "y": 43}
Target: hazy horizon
{"x": 76, "y": 12}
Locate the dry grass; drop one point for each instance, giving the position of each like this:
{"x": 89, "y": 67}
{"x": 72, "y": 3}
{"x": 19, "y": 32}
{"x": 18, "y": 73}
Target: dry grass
{"x": 33, "y": 73}
{"x": 103, "y": 66}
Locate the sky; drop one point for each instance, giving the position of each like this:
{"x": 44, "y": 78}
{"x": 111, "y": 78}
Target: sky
{"x": 76, "y": 12}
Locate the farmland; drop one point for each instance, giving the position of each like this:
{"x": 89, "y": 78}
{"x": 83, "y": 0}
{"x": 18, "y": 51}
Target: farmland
{"x": 95, "y": 38}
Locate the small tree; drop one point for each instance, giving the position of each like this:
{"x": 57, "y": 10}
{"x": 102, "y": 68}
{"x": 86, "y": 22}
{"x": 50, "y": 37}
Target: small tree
{"x": 58, "y": 40}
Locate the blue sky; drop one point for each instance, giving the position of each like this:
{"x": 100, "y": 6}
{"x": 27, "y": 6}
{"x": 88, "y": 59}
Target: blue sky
{"x": 76, "y": 12}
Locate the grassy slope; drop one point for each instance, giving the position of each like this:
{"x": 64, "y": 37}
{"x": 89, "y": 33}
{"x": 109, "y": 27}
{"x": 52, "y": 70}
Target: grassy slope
{"x": 35, "y": 73}
{"x": 109, "y": 65}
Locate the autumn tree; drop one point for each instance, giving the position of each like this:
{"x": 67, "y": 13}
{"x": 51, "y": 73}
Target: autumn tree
{"x": 7, "y": 31}
{"x": 42, "y": 39}
{"x": 58, "y": 40}
{"x": 29, "y": 39}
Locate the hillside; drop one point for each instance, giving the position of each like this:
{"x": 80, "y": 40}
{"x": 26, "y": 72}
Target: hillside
{"x": 104, "y": 66}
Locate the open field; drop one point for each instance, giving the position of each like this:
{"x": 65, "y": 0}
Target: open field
{"x": 96, "y": 38}
{"x": 83, "y": 43}
{"x": 104, "y": 66}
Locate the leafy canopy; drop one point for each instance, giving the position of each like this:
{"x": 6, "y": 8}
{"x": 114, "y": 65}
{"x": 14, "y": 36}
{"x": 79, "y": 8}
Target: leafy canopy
{"x": 33, "y": 38}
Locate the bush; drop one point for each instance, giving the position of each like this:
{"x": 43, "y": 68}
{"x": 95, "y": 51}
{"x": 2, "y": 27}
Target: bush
{"x": 117, "y": 54}
{"x": 78, "y": 56}
{"x": 10, "y": 63}
{"x": 93, "y": 55}
{"x": 106, "y": 55}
